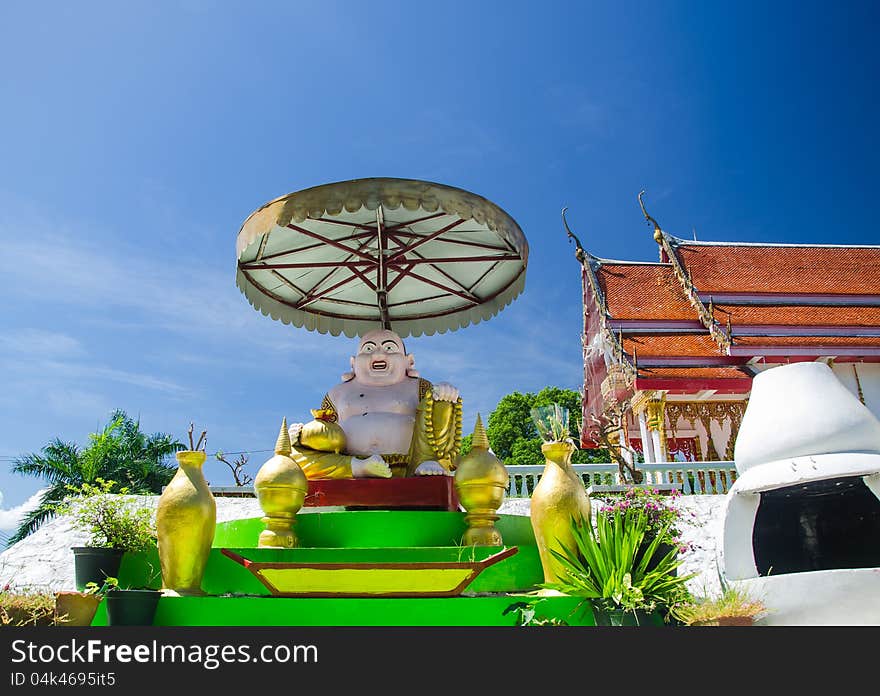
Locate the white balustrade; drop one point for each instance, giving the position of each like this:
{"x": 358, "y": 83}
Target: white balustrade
{"x": 694, "y": 478}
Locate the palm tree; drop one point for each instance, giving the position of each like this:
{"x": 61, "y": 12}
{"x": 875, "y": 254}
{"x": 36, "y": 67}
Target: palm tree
{"x": 121, "y": 452}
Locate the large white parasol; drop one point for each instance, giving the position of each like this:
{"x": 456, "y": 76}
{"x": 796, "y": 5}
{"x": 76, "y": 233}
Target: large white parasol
{"x": 413, "y": 256}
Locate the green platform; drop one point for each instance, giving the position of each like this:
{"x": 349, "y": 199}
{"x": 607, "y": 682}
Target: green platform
{"x": 237, "y": 598}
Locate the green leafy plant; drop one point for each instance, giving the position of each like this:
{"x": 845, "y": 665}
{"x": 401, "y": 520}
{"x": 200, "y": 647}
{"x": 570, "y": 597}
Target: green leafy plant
{"x": 551, "y": 422}
{"x": 93, "y": 588}
{"x": 110, "y": 519}
{"x": 613, "y": 568}
{"x": 732, "y": 603}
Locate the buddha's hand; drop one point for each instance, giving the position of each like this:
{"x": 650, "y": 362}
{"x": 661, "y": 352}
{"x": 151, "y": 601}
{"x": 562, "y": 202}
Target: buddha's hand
{"x": 430, "y": 468}
{"x": 371, "y": 467}
{"x": 294, "y": 431}
{"x": 444, "y": 391}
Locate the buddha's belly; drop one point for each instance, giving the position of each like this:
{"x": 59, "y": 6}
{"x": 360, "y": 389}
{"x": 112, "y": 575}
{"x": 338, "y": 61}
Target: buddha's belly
{"x": 382, "y": 433}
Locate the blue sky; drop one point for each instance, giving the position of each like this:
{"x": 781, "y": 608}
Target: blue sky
{"x": 136, "y": 137}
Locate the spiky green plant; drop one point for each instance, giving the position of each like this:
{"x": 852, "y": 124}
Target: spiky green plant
{"x": 612, "y": 565}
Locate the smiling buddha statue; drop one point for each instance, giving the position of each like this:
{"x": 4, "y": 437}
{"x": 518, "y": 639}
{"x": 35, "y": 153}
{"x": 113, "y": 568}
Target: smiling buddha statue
{"x": 382, "y": 420}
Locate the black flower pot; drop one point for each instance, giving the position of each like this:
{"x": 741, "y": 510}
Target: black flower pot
{"x": 607, "y": 616}
{"x": 132, "y": 607}
{"x": 95, "y": 564}
{"x": 662, "y": 550}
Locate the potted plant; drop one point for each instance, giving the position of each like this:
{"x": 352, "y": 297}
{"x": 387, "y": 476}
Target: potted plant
{"x": 130, "y": 606}
{"x": 628, "y": 584}
{"x": 114, "y": 524}
{"x": 733, "y": 607}
{"x": 77, "y": 608}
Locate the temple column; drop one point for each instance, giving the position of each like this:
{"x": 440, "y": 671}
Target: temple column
{"x": 639, "y": 405}
{"x": 656, "y": 423}
{"x": 647, "y": 441}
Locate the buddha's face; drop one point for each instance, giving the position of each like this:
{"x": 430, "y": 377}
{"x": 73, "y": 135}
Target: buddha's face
{"x": 381, "y": 359}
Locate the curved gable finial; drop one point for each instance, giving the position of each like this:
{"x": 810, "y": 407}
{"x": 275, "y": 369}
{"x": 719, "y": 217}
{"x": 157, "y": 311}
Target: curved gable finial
{"x": 658, "y": 232}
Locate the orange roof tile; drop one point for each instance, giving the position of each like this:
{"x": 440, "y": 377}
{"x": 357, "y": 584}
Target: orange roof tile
{"x": 643, "y": 291}
{"x": 671, "y": 345}
{"x": 781, "y": 269}
{"x": 692, "y": 373}
{"x": 798, "y": 315}
{"x": 805, "y": 341}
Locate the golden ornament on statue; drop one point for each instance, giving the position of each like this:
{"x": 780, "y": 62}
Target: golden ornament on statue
{"x": 281, "y": 488}
{"x": 322, "y": 434}
{"x": 481, "y": 480}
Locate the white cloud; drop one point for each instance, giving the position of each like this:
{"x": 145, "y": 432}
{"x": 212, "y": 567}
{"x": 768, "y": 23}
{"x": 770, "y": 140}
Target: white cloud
{"x": 11, "y": 518}
{"x": 40, "y": 342}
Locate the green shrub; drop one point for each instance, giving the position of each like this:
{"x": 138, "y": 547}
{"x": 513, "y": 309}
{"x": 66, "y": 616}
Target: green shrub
{"x": 110, "y": 519}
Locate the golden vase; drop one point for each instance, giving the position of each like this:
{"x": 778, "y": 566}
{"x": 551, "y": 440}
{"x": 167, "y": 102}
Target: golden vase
{"x": 558, "y": 499}
{"x": 281, "y": 488}
{"x": 185, "y": 522}
{"x": 480, "y": 482}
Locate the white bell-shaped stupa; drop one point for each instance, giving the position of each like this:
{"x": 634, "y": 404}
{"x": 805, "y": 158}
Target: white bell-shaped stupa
{"x": 802, "y": 522}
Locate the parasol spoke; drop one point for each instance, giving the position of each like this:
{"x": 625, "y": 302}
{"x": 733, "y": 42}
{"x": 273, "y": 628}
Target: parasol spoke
{"x": 469, "y": 297}
{"x": 332, "y": 242}
{"x": 310, "y": 247}
{"x": 340, "y": 265}
{"x": 401, "y": 274}
{"x": 314, "y": 297}
{"x": 289, "y": 283}
{"x": 366, "y": 226}
{"x": 263, "y": 241}
{"x": 305, "y": 264}
{"x": 381, "y": 270}
{"x": 426, "y": 239}
{"x": 408, "y": 270}
{"x": 368, "y": 265}
{"x": 370, "y": 284}
{"x": 462, "y": 242}
{"x": 427, "y": 298}
{"x": 480, "y": 279}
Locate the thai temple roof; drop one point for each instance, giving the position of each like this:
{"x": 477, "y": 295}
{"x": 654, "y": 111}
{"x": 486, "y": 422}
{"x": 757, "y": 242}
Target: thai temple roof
{"x": 780, "y": 268}
{"x": 643, "y": 291}
{"x": 702, "y": 316}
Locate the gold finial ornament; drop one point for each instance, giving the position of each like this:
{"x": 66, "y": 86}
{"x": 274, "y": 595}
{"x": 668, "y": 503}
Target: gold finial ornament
{"x": 480, "y": 481}
{"x": 658, "y": 233}
{"x": 281, "y": 488}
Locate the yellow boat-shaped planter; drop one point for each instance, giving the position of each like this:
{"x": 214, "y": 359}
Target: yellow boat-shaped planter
{"x": 369, "y": 572}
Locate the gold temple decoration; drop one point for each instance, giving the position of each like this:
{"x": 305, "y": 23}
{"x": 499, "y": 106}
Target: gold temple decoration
{"x": 481, "y": 479}
{"x": 704, "y": 412}
{"x": 861, "y": 394}
{"x": 559, "y": 499}
{"x": 323, "y": 433}
{"x": 186, "y": 518}
{"x": 706, "y": 315}
{"x": 440, "y": 450}
{"x": 589, "y": 265}
{"x": 281, "y": 488}
{"x": 655, "y": 410}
